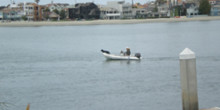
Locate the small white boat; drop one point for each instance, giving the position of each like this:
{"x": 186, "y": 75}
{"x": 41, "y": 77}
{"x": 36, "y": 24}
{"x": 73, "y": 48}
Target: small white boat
{"x": 109, "y": 56}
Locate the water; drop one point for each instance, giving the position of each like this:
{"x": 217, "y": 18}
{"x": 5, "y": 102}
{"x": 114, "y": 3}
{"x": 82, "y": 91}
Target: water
{"x": 58, "y": 68}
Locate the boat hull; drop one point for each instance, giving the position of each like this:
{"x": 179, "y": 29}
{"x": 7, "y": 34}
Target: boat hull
{"x": 119, "y": 57}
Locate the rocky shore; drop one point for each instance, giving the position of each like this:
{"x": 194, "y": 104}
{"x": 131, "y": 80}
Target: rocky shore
{"x": 100, "y": 22}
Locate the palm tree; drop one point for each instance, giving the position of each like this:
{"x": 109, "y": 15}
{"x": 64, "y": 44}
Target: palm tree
{"x": 37, "y": 1}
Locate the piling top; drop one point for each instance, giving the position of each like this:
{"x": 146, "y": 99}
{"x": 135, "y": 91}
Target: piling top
{"x": 187, "y": 54}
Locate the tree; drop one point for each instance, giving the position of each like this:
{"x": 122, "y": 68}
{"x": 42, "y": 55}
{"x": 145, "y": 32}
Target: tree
{"x": 56, "y": 11}
{"x": 155, "y": 9}
{"x": 37, "y": 1}
{"x": 46, "y": 13}
{"x": 204, "y": 7}
{"x": 62, "y": 14}
{"x": 24, "y": 18}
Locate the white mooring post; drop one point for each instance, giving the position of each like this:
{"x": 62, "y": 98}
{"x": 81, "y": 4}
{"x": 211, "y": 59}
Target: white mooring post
{"x": 188, "y": 80}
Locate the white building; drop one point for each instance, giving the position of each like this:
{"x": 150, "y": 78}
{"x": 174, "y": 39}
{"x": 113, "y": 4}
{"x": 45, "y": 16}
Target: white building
{"x": 139, "y": 12}
{"x": 125, "y": 9}
{"x": 109, "y": 13}
{"x": 164, "y": 10}
{"x": 191, "y": 9}
{"x": 29, "y": 11}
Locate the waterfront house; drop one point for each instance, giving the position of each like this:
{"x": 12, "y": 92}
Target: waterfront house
{"x": 212, "y": 2}
{"x": 125, "y": 9}
{"x": 191, "y": 9}
{"x": 215, "y": 10}
{"x": 32, "y": 11}
{"x": 163, "y": 10}
{"x": 57, "y": 6}
{"x": 109, "y": 13}
{"x": 151, "y": 9}
{"x": 139, "y": 13}
{"x": 11, "y": 14}
{"x": 54, "y": 16}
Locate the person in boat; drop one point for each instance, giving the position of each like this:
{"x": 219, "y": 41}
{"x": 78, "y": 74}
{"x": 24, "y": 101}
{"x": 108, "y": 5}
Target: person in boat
{"x": 121, "y": 53}
{"x": 128, "y": 52}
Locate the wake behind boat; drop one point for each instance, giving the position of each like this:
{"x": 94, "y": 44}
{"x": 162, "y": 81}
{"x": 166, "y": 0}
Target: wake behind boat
{"x": 110, "y": 56}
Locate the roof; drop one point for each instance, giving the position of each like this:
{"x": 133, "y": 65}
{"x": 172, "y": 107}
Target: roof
{"x": 53, "y": 15}
{"x": 104, "y": 8}
{"x": 58, "y": 4}
{"x": 2, "y": 7}
{"x": 188, "y": 5}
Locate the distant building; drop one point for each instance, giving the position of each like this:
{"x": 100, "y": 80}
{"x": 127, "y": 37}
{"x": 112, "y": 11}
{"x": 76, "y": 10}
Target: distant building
{"x": 179, "y": 2}
{"x": 213, "y": 2}
{"x": 191, "y": 9}
{"x": 164, "y": 10}
{"x": 150, "y": 7}
{"x": 54, "y": 16}
{"x": 32, "y": 11}
{"x": 57, "y": 6}
{"x": 84, "y": 11}
{"x": 139, "y": 13}
{"x": 11, "y": 14}
{"x": 14, "y": 11}
{"x": 138, "y": 5}
{"x": 125, "y": 9}
{"x": 215, "y": 10}
{"x": 109, "y": 13}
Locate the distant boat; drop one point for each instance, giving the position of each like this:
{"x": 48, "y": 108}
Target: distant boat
{"x": 110, "y": 56}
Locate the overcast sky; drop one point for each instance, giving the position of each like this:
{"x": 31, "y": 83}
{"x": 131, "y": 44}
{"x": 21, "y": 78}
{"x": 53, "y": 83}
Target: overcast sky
{"x": 6, "y": 2}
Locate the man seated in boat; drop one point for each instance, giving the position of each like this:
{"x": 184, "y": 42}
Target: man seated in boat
{"x": 128, "y": 52}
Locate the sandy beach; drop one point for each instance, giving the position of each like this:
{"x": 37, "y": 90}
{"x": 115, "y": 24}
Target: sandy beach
{"x": 100, "y": 22}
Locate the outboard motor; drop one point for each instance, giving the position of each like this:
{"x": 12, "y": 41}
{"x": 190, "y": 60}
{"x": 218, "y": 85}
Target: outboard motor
{"x": 105, "y": 51}
{"x": 138, "y": 55}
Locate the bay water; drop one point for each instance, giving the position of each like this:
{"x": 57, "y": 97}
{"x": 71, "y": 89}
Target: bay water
{"x": 61, "y": 67}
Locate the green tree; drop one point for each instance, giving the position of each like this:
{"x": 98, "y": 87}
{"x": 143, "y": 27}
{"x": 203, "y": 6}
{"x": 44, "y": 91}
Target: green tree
{"x": 176, "y": 12}
{"x": 62, "y": 14}
{"x": 155, "y": 9}
{"x": 56, "y": 11}
{"x": 24, "y": 18}
{"x": 37, "y": 1}
{"x": 204, "y": 7}
{"x": 46, "y": 13}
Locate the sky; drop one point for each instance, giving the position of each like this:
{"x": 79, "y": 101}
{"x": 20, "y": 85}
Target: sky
{"x": 6, "y": 2}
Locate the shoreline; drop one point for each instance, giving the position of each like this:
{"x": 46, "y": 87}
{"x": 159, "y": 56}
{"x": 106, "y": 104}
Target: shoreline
{"x": 104, "y": 22}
